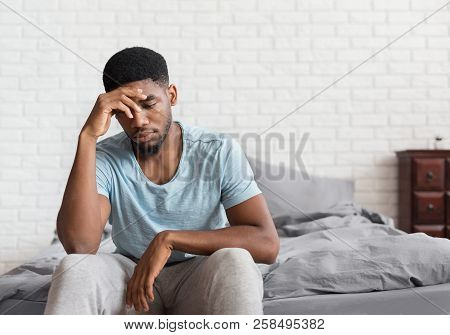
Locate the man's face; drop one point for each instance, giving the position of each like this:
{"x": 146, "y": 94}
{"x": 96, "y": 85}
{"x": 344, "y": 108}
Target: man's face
{"x": 148, "y": 129}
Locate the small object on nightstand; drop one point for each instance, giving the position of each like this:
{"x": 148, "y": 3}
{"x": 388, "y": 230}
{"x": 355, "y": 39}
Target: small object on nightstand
{"x": 424, "y": 191}
{"x": 437, "y": 142}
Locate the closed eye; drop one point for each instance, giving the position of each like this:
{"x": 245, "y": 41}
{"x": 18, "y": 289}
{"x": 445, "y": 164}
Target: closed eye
{"x": 146, "y": 106}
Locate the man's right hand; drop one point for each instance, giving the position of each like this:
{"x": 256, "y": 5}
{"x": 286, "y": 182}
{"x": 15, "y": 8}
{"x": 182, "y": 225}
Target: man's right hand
{"x": 108, "y": 104}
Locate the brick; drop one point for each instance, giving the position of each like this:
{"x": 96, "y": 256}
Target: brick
{"x": 329, "y": 16}
{"x": 18, "y": 148}
{"x": 392, "y": 81}
{"x": 354, "y": 30}
{"x": 214, "y": 70}
{"x": 93, "y": 17}
{"x": 354, "y": 159}
{"x": 243, "y": 82}
{"x": 393, "y": 132}
{"x": 407, "y": 120}
{"x": 397, "y": 145}
{"x": 330, "y": 120}
{"x": 276, "y": 82}
{"x": 15, "y": 201}
{"x": 8, "y": 215}
{"x": 291, "y": 17}
{"x": 22, "y": 174}
{"x": 255, "y": 95}
{"x": 37, "y": 187}
{"x": 331, "y": 146}
{"x": 392, "y": 5}
{"x": 355, "y": 133}
{"x": 269, "y": 5}
{"x": 404, "y": 94}
{"x": 370, "y": 94}
{"x": 254, "y": 17}
{"x": 253, "y": 43}
{"x": 367, "y": 16}
{"x": 277, "y": 56}
{"x": 369, "y": 120}
{"x": 276, "y": 30}
{"x": 370, "y": 145}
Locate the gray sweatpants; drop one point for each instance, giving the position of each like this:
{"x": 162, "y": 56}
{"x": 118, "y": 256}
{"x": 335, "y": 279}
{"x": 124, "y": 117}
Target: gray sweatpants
{"x": 226, "y": 282}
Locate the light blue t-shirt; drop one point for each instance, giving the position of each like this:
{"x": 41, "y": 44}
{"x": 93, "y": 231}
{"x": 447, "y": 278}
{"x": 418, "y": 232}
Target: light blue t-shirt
{"x": 213, "y": 175}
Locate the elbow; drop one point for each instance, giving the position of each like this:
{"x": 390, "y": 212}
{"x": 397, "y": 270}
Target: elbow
{"x": 273, "y": 255}
{"x": 71, "y": 243}
{"x": 272, "y": 247}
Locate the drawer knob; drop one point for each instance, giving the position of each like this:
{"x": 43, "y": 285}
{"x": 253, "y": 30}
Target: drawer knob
{"x": 430, "y": 207}
{"x": 429, "y": 175}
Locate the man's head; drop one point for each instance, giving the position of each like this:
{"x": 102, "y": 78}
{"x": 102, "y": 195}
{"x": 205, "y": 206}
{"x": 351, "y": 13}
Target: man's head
{"x": 146, "y": 69}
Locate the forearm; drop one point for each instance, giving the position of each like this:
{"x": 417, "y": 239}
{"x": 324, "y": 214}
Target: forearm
{"x": 262, "y": 246}
{"x": 80, "y": 212}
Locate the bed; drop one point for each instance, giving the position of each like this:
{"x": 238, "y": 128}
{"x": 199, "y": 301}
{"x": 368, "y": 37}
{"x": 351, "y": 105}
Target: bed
{"x": 336, "y": 257}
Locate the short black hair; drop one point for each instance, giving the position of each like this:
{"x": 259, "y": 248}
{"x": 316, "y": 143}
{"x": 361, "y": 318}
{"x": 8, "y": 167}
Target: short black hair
{"x": 133, "y": 64}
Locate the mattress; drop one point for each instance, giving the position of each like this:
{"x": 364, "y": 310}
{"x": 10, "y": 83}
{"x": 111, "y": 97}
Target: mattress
{"x": 21, "y": 307}
{"x": 434, "y": 300}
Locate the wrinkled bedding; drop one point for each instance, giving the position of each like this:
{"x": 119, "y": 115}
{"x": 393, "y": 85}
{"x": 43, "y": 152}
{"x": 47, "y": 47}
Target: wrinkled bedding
{"x": 348, "y": 249}
{"x": 345, "y": 249}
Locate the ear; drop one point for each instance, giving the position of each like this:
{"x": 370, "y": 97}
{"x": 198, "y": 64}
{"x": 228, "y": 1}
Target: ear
{"x": 172, "y": 94}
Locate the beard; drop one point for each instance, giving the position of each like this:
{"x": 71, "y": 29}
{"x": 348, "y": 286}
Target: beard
{"x": 145, "y": 149}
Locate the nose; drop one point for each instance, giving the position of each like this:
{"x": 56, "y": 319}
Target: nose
{"x": 139, "y": 120}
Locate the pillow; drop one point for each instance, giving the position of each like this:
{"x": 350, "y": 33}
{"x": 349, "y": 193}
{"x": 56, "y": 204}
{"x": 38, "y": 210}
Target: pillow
{"x": 288, "y": 192}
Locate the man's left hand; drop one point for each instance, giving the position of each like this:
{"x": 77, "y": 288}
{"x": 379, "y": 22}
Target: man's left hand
{"x": 140, "y": 285}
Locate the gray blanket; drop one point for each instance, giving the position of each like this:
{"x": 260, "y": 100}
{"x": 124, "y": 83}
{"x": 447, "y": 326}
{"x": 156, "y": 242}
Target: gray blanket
{"x": 348, "y": 249}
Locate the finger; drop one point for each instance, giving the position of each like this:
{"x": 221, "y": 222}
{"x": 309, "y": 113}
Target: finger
{"x": 142, "y": 296}
{"x": 120, "y": 106}
{"x": 129, "y": 297}
{"x": 143, "y": 299}
{"x": 136, "y": 297}
{"x": 133, "y": 92}
{"x": 149, "y": 289}
{"x": 131, "y": 104}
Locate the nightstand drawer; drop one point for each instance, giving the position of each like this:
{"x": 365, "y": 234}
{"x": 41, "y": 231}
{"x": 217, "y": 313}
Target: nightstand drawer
{"x": 428, "y": 174}
{"x": 429, "y": 208}
{"x": 435, "y": 231}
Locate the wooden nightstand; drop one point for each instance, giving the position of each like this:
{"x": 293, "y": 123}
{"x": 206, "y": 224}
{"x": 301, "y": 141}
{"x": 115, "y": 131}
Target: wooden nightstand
{"x": 424, "y": 192}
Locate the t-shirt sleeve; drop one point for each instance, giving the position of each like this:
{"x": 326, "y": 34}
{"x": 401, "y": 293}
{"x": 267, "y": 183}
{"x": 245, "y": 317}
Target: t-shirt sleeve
{"x": 238, "y": 182}
{"x": 103, "y": 174}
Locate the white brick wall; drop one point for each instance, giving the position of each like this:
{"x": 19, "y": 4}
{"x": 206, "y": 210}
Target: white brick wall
{"x": 239, "y": 66}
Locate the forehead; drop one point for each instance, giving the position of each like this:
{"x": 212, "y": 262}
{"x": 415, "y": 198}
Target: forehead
{"x": 148, "y": 86}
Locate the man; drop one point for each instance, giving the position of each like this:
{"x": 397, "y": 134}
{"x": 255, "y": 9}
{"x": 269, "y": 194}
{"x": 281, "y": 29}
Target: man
{"x": 168, "y": 190}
